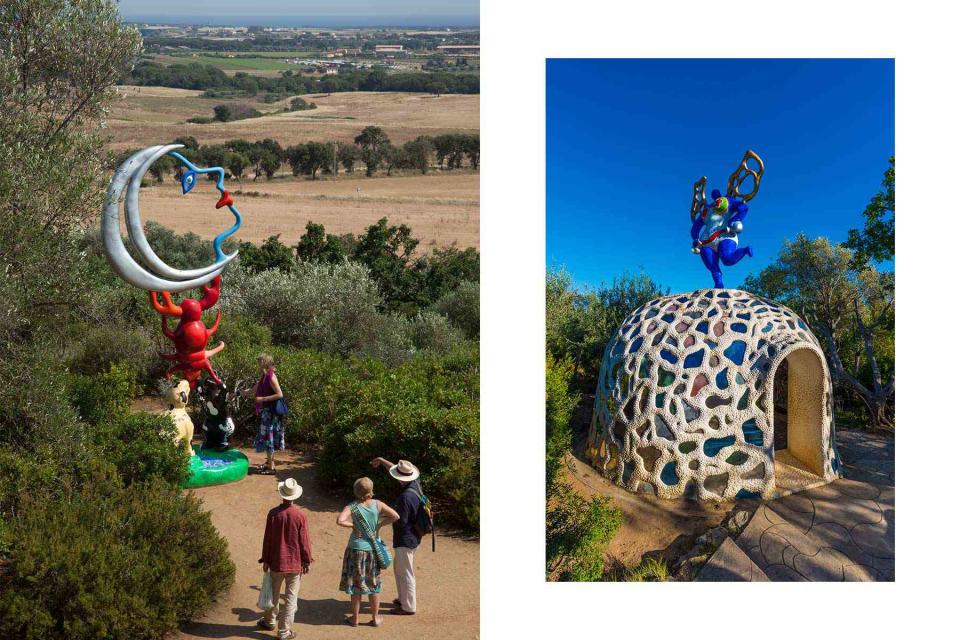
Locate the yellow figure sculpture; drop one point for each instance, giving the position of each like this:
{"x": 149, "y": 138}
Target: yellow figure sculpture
{"x": 177, "y": 400}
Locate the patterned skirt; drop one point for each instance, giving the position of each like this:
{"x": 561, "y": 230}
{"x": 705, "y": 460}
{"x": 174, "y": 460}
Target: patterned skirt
{"x": 360, "y": 575}
{"x": 270, "y": 436}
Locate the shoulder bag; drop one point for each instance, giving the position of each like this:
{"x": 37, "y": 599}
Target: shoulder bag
{"x": 380, "y": 550}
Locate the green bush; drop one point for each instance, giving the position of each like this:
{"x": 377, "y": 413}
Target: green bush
{"x": 426, "y": 410}
{"x": 462, "y": 307}
{"x": 560, "y": 406}
{"x": 458, "y": 485}
{"x": 182, "y": 250}
{"x": 431, "y": 331}
{"x": 141, "y": 446}
{"x": 579, "y": 323}
{"x": 109, "y": 561}
{"x": 127, "y": 345}
{"x": 22, "y": 475}
{"x": 329, "y": 307}
{"x": 6, "y": 544}
{"x": 578, "y": 532}
{"x": 272, "y": 254}
{"x": 240, "y": 331}
{"x": 105, "y": 396}
{"x": 578, "y": 529}
{"x": 81, "y": 556}
{"x": 35, "y": 396}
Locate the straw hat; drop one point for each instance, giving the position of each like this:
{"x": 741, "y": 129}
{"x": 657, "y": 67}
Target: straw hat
{"x": 289, "y": 489}
{"x": 404, "y": 471}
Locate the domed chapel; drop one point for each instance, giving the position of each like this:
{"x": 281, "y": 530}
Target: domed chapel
{"x": 715, "y": 394}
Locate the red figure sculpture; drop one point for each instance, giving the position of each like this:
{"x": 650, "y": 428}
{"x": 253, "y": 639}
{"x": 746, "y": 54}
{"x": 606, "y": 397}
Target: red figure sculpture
{"x": 191, "y": 335}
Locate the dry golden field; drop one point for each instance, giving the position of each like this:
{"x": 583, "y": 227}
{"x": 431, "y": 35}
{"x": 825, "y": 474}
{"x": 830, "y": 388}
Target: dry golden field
{"x": 442, "y": 209}
{"x": 152, "y": 115}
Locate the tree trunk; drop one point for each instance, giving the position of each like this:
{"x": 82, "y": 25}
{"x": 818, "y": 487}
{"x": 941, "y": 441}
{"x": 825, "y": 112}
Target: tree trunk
{"x": 875, "y": 400}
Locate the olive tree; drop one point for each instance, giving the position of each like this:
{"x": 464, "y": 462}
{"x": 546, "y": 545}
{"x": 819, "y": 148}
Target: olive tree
{"x": 59, "y": 62}
{"x": 849, "y": 306}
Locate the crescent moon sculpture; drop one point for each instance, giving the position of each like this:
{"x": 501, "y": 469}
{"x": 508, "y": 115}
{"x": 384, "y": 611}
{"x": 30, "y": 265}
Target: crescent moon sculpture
{"x": 161, "y": 276}
{"x": 139, "y": 238}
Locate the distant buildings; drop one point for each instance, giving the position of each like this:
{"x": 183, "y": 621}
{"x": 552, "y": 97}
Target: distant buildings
{"x": 459, "y": 49}
{"x": 327, "y": 67}
{"x": 388, "y": 48}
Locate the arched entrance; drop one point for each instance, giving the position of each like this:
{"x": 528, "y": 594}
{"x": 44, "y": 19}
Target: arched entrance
{"x": 796, "y": 412}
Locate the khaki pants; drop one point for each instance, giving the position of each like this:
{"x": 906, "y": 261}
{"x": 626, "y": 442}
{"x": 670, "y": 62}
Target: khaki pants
{"x": 289, "y": 607}
{"x": 406, "y": 581}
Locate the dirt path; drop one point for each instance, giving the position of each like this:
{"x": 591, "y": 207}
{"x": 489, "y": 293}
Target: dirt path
{"x": 649, "y": 524}
{"x": 448, "y": 581}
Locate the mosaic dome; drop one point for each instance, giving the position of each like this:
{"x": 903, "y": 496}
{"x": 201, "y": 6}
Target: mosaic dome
{"x": 687, "y": 405}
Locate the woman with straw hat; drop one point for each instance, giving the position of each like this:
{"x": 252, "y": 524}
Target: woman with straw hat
{"x": 360, "y": 575}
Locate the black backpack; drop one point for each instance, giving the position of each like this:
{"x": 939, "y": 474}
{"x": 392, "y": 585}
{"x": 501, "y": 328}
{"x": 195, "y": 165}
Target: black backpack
{"x": 423, "y": 521}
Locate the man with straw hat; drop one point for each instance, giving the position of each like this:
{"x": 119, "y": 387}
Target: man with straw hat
{"x": 286, "y": 555}
{"x": 405, "y": 538}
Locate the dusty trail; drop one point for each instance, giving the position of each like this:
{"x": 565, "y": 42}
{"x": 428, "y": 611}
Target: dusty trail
{"x": 448, "y": 581}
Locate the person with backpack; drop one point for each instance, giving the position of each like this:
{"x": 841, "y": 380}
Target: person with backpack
{"x": 414, "y": 511}
{"x": 366, "y": 553}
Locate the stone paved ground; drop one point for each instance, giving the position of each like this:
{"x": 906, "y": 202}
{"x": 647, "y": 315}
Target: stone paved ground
{"x": 843, "y": 531}
{"x": 866, "y": 457}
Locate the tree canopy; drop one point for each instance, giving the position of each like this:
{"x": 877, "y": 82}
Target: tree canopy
{"x": 875, "y": 242}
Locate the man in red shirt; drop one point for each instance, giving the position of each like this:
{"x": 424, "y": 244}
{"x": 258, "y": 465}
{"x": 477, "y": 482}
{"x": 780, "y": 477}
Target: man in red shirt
{"x": 286, "y": 555}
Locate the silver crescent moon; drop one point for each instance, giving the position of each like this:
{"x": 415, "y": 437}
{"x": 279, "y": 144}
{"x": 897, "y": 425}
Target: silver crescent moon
{"x": 117, "y": 254}
{"x": 131, "y": 207}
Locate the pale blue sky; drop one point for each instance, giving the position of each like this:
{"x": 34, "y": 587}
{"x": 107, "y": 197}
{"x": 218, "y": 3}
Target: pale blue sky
{"x": 315, "y": 12}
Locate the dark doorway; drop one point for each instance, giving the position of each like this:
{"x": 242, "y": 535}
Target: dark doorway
{"x": 780, "y": 411}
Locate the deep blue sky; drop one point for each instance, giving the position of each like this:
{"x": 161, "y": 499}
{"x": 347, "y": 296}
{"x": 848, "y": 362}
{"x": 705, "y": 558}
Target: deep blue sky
{"x": 626, "y": 140}
{"x": 332, "y": 13}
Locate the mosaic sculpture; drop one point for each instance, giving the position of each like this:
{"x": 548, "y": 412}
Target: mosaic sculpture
{"x": 218, "y": 424}
{"x": 177, "y": 398}
{"x": 191, "y": 336}
{"x": 685, "y": 399}
{"x": 717, "y": 224}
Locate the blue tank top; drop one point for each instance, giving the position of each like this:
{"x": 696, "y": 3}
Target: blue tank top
{"x": 370, "y": 515}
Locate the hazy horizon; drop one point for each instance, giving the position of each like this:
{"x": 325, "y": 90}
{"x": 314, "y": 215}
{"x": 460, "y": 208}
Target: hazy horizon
{"x": 344, "y": 22}
{"x": 307, "y": 13}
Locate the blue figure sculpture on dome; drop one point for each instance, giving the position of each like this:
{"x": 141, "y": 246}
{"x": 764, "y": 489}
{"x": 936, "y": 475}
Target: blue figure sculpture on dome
{"x": 717, "y": 224}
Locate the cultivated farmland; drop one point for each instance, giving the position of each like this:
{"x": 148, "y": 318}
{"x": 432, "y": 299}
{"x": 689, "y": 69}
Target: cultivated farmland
{"x": 442, "y": 207}
{"x": 149, "y": 115}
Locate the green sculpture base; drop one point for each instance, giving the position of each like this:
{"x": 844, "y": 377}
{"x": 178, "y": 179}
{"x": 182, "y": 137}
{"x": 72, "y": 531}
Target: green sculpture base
{"x": 209, "y": 467}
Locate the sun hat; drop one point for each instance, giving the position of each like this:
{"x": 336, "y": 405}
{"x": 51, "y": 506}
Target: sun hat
{"x": 404, "y": 471}
{"x": 289, "y": 489}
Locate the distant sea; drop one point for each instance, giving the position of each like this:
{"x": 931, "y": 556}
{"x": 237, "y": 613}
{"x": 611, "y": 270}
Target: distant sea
{"x": 340, "y": 22}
